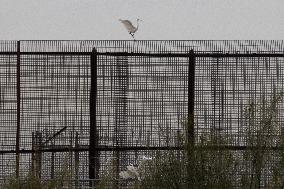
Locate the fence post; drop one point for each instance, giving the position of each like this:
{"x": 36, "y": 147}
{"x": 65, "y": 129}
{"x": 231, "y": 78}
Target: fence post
{"x": 18, "y": 110}
{"x": 36, "y": 154}
{"x": 76, "y": 160}
{"x": 52, "y": 161}
{"x": 93, "y": 144}
{"x": 190, "y": 116}
{"x": 191, "y": 85}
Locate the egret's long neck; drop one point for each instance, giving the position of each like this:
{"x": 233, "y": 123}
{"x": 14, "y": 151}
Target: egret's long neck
{"x": 137, "y": 24}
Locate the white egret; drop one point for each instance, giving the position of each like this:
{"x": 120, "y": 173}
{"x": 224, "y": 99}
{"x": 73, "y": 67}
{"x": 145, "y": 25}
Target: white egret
{"x": 129, "y": 26}
{"x": 130, "y": 173}
{"x": 124, "y": 175}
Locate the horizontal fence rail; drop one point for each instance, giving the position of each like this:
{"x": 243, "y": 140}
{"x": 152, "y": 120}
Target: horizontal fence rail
{"x": 214, "y": 55}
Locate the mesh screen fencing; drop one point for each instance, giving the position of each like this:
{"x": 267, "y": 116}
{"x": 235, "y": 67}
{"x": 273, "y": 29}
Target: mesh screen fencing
{"x": 142, "y": 102}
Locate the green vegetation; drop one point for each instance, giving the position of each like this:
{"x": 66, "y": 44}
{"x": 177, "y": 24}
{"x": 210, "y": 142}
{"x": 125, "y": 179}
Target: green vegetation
{"x": 33, "y": 182}
{"x": 213, "y": 163}
{"x": 209, "y": 163}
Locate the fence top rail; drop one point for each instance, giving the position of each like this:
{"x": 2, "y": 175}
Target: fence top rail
{"x": 162, "y": 54}
{"x": 145, "y": 46}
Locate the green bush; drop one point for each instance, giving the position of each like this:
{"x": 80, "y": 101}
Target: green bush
{"x": 211, "y": 163}
{"x": 208, "y": 163}
{"x": 33, "y": 182}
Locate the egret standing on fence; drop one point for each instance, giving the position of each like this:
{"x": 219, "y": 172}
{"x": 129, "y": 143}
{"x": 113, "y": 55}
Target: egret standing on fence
{"x": 129, "y": 26}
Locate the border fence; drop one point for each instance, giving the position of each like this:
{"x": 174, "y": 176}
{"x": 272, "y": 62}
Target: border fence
{"x": 81, "y": 104}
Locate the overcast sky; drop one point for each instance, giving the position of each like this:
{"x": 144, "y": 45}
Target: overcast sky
{"x": 162, "y": 19}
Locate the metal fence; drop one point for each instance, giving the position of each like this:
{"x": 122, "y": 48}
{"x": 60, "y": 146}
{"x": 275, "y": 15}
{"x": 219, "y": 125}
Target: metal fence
{"x": 80, "y": 104}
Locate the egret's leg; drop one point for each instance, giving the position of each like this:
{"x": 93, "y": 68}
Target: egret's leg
{"x": 132, "y": 34}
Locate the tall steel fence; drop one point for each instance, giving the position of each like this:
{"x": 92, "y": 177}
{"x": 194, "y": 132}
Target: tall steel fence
{"x": 80, "y": 105}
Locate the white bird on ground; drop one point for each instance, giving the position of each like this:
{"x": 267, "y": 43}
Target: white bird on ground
{"x": 144, "y": 158}
{"x": 129, "y": 26}
{"x": 130, "y": 173}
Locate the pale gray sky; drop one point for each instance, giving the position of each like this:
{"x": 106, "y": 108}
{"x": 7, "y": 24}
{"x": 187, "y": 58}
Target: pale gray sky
{"x": 163, "y": 19}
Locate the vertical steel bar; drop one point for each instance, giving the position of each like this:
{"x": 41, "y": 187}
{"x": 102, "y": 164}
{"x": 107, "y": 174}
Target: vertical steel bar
{"x": 76, "y": 161}
{"x": 52, "y": 166}
{"x": 33, "y": 154}
{"x": 93, "y": 153}
{"x": 190, "y": 113}
{"x": 18, "y": 110}
{"x": 191, "y": 85}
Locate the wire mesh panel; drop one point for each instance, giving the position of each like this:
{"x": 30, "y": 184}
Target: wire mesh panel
{"x": 226, "y": 86}
{"x": 8, "y": 108}
{"x": 238, "y": 99}
{"x": 55, "y": 91}
{"x": 8, "y": 101}
{"x": 142, "y": 102}
{"x": 54, "y": 110}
